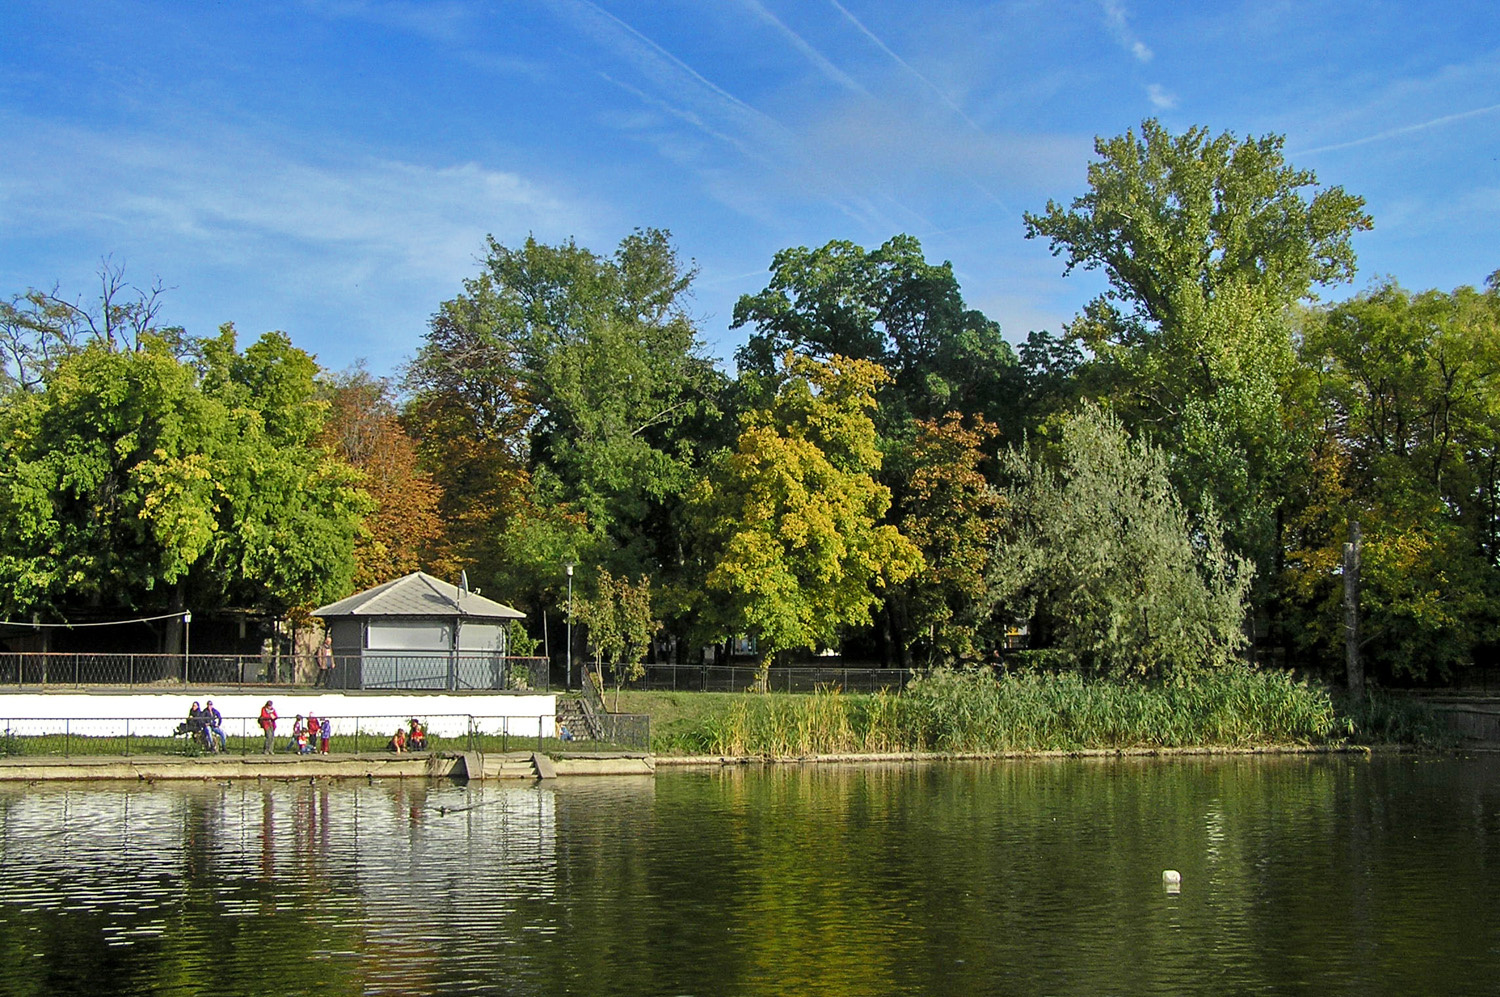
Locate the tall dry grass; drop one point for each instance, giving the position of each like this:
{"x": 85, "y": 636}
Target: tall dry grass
{"x": 979, "y": 711}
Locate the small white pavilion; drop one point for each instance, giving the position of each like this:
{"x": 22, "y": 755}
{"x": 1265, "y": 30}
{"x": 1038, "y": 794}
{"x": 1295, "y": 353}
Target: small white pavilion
{"x": 418, "y": 632}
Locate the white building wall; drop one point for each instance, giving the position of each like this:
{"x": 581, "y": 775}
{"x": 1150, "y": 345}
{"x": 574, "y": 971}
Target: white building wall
{"x": 104, "y": 714}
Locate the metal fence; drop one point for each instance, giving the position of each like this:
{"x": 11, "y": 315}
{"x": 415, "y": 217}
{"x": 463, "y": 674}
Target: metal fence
{"x": 438, "y": 671}
{"x": 450, "y": 672}
{"x": 747, "y": 678}
{"x": 134, "y": 736}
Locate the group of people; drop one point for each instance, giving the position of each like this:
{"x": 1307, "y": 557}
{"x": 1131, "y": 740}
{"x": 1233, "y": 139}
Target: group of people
{"x": 309, "y": 733}
{"x": 412, "y": 739}
{"x": 206, "y": 725}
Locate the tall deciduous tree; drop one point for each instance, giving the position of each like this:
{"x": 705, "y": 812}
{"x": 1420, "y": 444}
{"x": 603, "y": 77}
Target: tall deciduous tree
{"x": 1170, "y": 214}
{"x": 38, "y": 329}
{"x": 1408, "y": 392}
{"x": 132, "y": 481}
{"x": 789, "y": 522}
{"x": 1207, "y": 242}
{"x": 950, "y": 510}
{"x": 1098, "y": 551}
{"x": 404, "y": 533}
{"x": 889, "y": 306}
{"x": 579, "y": 384}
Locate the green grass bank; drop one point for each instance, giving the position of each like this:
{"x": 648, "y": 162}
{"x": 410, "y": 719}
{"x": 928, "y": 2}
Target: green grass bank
{"x": 977, "y": 712}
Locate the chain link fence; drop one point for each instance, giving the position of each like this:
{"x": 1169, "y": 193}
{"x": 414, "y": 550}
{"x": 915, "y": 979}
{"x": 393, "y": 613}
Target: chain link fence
{"x": 747, "y": 678}
{"x": 448, "y": 672}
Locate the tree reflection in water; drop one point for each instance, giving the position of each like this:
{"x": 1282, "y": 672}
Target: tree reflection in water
{"x": 1354, "y": 875}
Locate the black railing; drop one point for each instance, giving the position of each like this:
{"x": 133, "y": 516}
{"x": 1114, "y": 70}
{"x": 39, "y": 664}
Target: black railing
{"x": 135, "y": 736}
{"x": 374, "y": 670}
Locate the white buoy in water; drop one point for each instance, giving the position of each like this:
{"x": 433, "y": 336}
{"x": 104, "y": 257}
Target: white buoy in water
{"x": 1172, "y": 880}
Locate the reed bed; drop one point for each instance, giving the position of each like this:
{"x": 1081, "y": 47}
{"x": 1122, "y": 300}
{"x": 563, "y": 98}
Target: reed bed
{"x": 979, "y": 711}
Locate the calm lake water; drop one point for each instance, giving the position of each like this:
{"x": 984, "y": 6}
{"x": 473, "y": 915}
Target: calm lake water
{"x": 1300, "y": 875}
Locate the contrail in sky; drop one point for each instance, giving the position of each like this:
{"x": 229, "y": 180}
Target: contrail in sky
{"x": 904, "y": 64}
{"x": 948, "y": 101}
{"x": 1404, "y": 130}
{"x": 802, "y": 45}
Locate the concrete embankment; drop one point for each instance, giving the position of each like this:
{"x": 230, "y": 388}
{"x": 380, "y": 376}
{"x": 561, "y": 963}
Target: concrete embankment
{"x": 434, "y": 765}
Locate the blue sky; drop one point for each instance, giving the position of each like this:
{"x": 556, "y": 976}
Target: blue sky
{"x": 331, "y": 167}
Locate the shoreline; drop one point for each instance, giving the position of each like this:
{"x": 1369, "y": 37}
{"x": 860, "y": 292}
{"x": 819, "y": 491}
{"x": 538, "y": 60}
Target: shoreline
{"x": 536, "y": 767}
{"x": 470, "y": 765}
{"x": 687, "y": 761}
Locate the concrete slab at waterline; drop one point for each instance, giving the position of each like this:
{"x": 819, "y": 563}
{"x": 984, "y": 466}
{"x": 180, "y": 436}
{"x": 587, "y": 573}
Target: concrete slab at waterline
{"x": 368, "y": 765}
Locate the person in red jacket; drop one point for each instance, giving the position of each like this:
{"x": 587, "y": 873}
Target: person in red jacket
{"x": 268, "y": 724}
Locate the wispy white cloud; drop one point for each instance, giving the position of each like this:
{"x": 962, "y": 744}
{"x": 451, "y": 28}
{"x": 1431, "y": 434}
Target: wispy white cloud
{"x": 779, "y": 156}
{"x": 1160, "y": 97}
{"x": 338, "y": 241}
{"x": 439, "y": 20}
{"x": 1117, "y": 19}
{"x": 921, "y": 155}
{"x": 655, "y": 62}
{"x": 223, "y": 192}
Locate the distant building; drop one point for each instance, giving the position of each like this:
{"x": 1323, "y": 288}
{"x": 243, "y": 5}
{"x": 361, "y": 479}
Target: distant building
{"x": 418, "y": 632}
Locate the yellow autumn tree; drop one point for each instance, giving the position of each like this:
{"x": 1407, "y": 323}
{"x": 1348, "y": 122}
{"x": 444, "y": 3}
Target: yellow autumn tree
{"x": 788, "y": 523}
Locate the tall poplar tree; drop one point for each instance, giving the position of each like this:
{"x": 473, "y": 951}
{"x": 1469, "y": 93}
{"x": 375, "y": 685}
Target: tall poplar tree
{"x": 1207, "y": 242}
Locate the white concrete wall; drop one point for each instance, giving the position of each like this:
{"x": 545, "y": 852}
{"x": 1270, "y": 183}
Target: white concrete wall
{"x": 102, "y": 714}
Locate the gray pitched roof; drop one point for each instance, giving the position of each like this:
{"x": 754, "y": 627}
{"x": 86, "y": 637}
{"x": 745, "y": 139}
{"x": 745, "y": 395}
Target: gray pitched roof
{"x": 419, "y": 594}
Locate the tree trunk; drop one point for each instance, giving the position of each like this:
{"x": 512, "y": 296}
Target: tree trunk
{"x": 1354, "y": 664}
{"x": 172, "y": 638}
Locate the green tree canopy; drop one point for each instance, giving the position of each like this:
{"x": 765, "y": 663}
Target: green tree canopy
{"x": 888, "y": 306}
{"x": 565, "y": 394}
{"x": 1175, "y": 218}
{"x": 128, "y": 481}
{"x": 1208, "y": 243}
{"x": 1408, "y": 405}
{"x": 618, "y": 621}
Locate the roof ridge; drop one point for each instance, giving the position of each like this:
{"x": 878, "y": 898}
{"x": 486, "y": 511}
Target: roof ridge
{"x": 428, "y": 581}
{"x": 368, "y": 595}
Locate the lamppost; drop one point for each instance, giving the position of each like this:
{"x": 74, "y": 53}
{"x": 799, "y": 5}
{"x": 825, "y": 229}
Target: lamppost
{"x": 568, "y": 567}
{"x": 187, "y": 636}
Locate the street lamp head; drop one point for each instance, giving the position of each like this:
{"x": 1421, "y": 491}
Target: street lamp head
{"x": 568, "y": 567}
